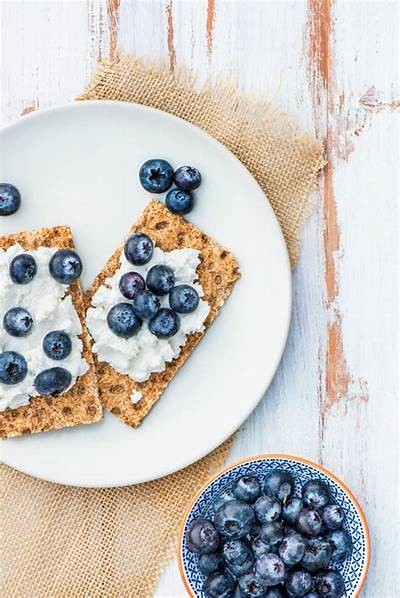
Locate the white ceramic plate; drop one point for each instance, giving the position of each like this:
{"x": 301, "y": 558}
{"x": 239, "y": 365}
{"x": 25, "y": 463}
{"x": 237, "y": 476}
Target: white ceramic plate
{"x": 79, "y": 165}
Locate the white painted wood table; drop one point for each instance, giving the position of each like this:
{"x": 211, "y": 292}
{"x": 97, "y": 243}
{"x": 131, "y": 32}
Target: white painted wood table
{"x": 334, "y": 67}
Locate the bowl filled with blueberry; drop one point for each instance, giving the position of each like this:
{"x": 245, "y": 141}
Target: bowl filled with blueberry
{"x": 274, "y": 526}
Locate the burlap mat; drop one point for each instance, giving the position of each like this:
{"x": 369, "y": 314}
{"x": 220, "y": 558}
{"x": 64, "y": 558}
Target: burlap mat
{"x": 61, "y": 541}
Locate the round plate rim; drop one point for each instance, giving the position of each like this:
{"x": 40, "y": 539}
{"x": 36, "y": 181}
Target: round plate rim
{"x": 270, "y": 457}
{"x": 77, "y": 105}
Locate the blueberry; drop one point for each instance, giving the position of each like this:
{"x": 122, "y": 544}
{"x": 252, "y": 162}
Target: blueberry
{"x": 317, "y": 555}
{"x": 183, "y": 299}
{"x": 267, "y": 509}
{"x": 222, "y": 499}
{"x": 123, "y": 321}
{"x": 57, "y": 345}
{"x": 251, "y": 586}
{"x": 246, "y": 488}
{"x": 292, "y": 549}
{"x": 160, "y": 279}
{"x": 187, "y": 178}
{"x": 13, "y": 367}
{"x": 298, "y": 583}
{"x": 23, "y": 268}
{"x": 179, "y": 202}
{"x": 309, "y": 522}
{"x": 52, "y": 382}
{"x": 138, "y": 249}
{"x": 272, "y": 532}
{"x": 18, "y": 321}
{"x": 274, "y": 593}
{"x": 202, "y": 537}
{"x": 156, "y": 175}
{"x": 259, "y": 547}
{"x": 218, "y": 585}
{"x": 333, "y": 516}
{"x": 238, "y": 557}
{"x": 146, "y": 304}
{"x": 271, "y": 569}
{"x": 165, "y": 323}
{"x": 329, "y": 584}
{"x": 316, "y": 494}
{"x": 234, "y": 519}
{"x": 130, "y": 284}
{"x": 291, "y": 509}
{"x": 210, "y": 563}
{"x": 65, "y": 266}
{"x": 341, "y": 544}
{"x": 10, "y": 199}
{"x": 279, "y": 484}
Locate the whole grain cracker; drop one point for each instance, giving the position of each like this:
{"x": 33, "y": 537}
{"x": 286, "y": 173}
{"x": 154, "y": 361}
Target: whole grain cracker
{"x": 80, "y": 405}
{"x": 218, "y": 272}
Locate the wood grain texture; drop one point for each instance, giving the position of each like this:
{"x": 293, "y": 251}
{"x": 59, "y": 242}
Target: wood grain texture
{"x": 333, "y": 66}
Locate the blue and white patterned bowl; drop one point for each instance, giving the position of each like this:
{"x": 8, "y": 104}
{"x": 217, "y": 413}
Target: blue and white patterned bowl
{"x": 354, "y": 569}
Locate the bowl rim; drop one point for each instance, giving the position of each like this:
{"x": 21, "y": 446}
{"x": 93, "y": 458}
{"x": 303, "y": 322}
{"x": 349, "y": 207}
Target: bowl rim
{"x": 287, "y": 457}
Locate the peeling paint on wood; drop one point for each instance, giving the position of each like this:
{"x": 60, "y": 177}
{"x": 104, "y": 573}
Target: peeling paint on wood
{"x": 29, "y": 108}
{"x": 113, "y": 7}
{"x": 210, "y": 26}
{"x": 170, "y": 36}
{"x": 371, "y": 101}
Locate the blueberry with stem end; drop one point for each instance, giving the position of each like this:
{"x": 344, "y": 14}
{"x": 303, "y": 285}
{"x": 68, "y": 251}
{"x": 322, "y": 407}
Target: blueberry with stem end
{"x": 309, "y": 522}
{"x": 267, "y": 509}
{"x": 317, "y": 554}
{"x": 234, "y": 519}
{"x": 316, "y": 494}
{"x": 160, "y": 279}
{"x": 333, "y": 516}
{"x": 271, "y": 569}
{"x": 165, "y": 323}
{"x": 298, "y": 583}
{"x": 138, "y": 249}
{"x": 279, "y": 484}
{"x": 156, "y": 175}
{"x": 123, "y": 321}
{"x": 329, "y": 584}
{"x": 13, "y": 367}
{"x": 251, "y": 586}
{"x": 65, "y": 266}
{"x": 247, "y": 488}
{"x": 184, "y": 299}
{"x": 202, "y": 537}
{"x": 187, "y": 178}
{"x": 23, "y": 268}
{"x": 57, "y": 345}
{"x": 130, "y": 284}
{"x": 18, "y": 322}
{"x": 146, "y": 304}
{"x": 179, "y": 202}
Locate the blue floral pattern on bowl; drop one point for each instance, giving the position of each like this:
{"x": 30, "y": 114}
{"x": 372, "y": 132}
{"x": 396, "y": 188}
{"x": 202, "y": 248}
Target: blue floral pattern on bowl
{"x": 353, "y": 569}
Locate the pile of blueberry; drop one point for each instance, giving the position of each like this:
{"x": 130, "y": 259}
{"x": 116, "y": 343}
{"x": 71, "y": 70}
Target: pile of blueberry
{"x": 264, "y": 541}
{"x": 10, "y": 199}
{"x": 65, "y": 266}
{"x": 125, "y": 319}
{"x": 157, "y": 176}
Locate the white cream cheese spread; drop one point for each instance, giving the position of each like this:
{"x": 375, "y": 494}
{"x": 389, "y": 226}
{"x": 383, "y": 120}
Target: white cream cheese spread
{"x": 142, "y": 354}
{"x": 51, "y": 309}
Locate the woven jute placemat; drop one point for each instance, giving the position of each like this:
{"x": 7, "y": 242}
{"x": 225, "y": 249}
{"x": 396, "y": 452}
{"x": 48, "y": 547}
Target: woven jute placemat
{"x": 62, "y": 541}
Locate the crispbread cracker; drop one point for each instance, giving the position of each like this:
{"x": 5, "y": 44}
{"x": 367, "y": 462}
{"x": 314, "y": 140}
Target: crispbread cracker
{"x": 80, "y": 405}
{"x": 218, "y": 272}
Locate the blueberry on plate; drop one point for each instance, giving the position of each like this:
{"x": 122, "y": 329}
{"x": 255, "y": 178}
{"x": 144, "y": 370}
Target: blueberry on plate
{"x": 267, "y": 509}
{"x": 146, "y": 304}
{"x": 251, "y": 586}
{"x": 10, "y": 199}
{"x": 130, "y": 284}
{"x": 187, "y": 178}
{"x": 184, "y": 299}
{"x": 333, "y": 516}
{"x": 279, "y": 484}
{"x": 23, "y": 268}
{"x": 138, "y": 249}
{"x": 341, "y": 544}
{"x": 202, "y": 537}
{"x": 179, "y": 202}
{"x": 52, "y": 382}
{"x": 165, "y": 323}
{"x": 123, "y": 321}
{"x": 309, "y": 522}
{"x": 156, "y": 175}
{"x": 57, "y": 345}
{"x": 13, "y": 367}
{"x": 218, "y": 585}
{"x": 298, "y": 583}
{"x": 292, "y": 549}
{"x": 210, "y": 563}
{"x": 329, "y": 584}
{"x": 222, "y": 499}
{"x": 234, "y": 519}
{"x": 271, "y": 569}
{"x": 291, "y": 509}
{"x": 160, "y": 279}
{"x": 317, "y": 555}
{"x": 65, "y": 266}
{"x": 272, "y": 532}
{"x": 259, "y": 547}
{"x": 316, "y": 494}
{"x": 238, "y": 557}
{"x": 246, "y": 488}
{"x": 18, "y": 321}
